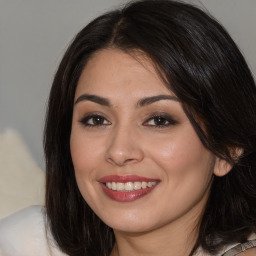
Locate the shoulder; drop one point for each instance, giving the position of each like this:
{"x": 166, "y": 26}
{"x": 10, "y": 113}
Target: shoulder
{"x": 249, "y": 252}
{"x": 24, "y": 234}
{"x": 244, "y": 249}
{"x": 18, "y": 220}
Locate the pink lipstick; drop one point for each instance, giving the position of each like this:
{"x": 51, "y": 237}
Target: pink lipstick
{"x": 127, "y": 188}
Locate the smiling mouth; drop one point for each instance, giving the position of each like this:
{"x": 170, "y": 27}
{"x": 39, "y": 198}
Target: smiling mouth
{"x": 127, "y": 188}
{"x": 130, "y": 186}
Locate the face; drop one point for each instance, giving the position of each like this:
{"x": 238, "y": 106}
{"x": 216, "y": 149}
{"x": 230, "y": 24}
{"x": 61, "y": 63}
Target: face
{"x": 138, "y": 162}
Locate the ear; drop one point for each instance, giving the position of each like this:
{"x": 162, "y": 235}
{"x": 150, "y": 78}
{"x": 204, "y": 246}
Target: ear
{"x": 223, "y": 167}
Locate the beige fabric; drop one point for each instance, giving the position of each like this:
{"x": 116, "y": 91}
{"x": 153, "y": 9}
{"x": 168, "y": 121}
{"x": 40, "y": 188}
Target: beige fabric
{"x": 238, "y": 249}
{"x": 230, "y": 250}
{"x": 21, "y": 180}
{"x": 24, "y": 234}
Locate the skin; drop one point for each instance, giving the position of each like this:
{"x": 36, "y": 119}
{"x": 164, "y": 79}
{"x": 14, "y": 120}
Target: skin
{"x": 249, "y": 252}
{"x": 127, "y": 141}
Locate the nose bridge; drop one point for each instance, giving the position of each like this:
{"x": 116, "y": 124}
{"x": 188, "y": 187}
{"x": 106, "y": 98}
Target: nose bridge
{"x": 124, "y": 145}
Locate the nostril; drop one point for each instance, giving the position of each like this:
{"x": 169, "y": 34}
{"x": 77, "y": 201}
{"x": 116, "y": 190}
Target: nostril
{"x": 123, "y": 150}
{"x": 120, "y": 162}
{"x": 129, "y": 160}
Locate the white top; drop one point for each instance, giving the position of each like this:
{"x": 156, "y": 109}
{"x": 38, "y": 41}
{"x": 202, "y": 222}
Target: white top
{"x": 24, "y": 234}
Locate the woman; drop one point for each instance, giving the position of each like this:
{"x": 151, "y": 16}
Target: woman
{"x": 150, "y": 138}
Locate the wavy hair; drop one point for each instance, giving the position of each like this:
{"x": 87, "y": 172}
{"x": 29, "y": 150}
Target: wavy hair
{"x": 201, "y": 64}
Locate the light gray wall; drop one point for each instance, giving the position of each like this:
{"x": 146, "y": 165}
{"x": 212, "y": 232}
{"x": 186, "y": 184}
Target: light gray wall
{"x": 35, "y": 33}
{"x": 33, "y": 37}
{"x": 239, "y": 18}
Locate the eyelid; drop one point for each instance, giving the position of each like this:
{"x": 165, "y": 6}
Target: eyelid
{"x": 171, "y": 121}
{"x": 88, "y": 116}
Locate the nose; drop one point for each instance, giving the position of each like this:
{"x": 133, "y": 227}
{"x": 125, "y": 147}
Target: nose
{"x": 124, "y": 148}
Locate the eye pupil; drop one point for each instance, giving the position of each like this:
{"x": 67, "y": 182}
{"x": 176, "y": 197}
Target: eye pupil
{"x": 160, "y": 120}
{"x": 97, "y": 120}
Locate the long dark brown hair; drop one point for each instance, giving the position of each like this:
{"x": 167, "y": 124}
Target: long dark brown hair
{"x": 204, "y": 68}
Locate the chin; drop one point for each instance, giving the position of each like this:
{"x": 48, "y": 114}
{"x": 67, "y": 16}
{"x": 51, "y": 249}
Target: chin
{"x": 131, "y": 222}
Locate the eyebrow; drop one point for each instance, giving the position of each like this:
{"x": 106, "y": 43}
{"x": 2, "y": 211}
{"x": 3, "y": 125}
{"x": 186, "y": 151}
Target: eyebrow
{"x": 149, "y": 100}
{"x": 141, "y": 103}
{"x": 93, "y": 98}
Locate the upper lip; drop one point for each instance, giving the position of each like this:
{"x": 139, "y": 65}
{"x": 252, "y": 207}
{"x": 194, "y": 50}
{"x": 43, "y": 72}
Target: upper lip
{"x": 124, "y": 179}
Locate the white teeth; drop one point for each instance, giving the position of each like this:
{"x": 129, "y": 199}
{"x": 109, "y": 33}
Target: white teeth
{"x": 113, "y": 186}
{"x": 151, "y": 184}
{"x": 120, "y": 186}
{"x": 130, "y": 186}
{"x": 144, "y": 184}
{"x": 137, "y": 185}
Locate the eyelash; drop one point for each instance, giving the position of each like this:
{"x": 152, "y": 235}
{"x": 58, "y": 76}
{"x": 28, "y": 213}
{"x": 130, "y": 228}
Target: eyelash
{"x": 85, "y": 120}
{"x": 169, "y": 121}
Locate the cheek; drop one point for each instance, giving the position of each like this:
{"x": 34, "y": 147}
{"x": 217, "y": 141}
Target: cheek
{"x": 183, "y": 156}
{"x": 85, "y": 152}
{"x": 186, "y": 172}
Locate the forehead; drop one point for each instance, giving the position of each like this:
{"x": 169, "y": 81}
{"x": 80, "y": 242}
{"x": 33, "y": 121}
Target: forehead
{"x": 111, "y": 71}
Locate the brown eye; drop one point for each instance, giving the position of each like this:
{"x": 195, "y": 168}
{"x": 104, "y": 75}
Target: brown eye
{"x": 94, "y": 120}
{"x": 160, "y": 121}
{"x": 97, "y": 120}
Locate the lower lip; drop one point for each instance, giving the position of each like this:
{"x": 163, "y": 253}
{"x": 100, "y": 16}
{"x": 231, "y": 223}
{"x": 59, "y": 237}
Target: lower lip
{"x": 126, "y": 196}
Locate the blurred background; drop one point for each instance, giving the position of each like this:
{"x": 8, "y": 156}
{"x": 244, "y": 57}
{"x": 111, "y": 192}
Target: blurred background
{"x": 34, "y": 36}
